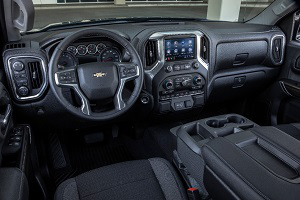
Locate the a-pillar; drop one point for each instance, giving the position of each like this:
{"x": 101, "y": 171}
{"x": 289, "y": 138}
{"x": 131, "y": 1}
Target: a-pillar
{"x": 225, "y": 10}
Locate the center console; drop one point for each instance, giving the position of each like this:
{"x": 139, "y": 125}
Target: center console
{"x": 178, "y": 78}
{"x": 193, "y": 136}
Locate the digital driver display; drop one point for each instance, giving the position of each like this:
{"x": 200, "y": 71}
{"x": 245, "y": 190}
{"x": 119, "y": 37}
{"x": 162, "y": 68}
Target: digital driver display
{"x": 179, "y": 49}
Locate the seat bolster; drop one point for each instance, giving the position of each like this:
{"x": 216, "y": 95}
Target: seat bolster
{"x": 168, "y": 179}
{"x": 67, "y": 190}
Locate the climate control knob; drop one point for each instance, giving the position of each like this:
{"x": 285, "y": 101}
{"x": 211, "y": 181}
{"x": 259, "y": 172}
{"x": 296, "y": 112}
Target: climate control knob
{"x": 197, "y": 80}
{"x": 168, "y": 84}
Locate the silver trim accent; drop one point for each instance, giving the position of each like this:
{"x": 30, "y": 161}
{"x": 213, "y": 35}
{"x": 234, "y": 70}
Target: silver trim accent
{"x": 6, "y": 118}
{"x": 283, "y": 48}
{"x": 44, "y": 71}
{"x": 118, "y": 100}
{"x": 85, "y": 107}
{"x": 282, "y": 85}
{"x": 159, "y": 37}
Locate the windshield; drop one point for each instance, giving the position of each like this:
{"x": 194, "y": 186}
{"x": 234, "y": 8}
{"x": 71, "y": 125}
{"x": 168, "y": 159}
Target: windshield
{"x": 56, "y": 11}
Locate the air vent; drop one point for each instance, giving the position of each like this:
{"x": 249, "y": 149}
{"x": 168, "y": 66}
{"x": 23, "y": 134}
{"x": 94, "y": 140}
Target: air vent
{"x": 36, "y": 75}
{"x": 151, "y": 53}
{"x": 204, "y": 48}
{"x": 15, "y": 46}
{"x": 277, "y": 49}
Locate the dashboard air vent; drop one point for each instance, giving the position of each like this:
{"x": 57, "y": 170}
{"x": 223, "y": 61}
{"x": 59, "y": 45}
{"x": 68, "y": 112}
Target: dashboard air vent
{"x": 15, "y": 46}
{"x": 277, "y": 49}
{"x": 36, "y": 75}
{"x": 151, "y": 53}
{"x": 204, "y": 48}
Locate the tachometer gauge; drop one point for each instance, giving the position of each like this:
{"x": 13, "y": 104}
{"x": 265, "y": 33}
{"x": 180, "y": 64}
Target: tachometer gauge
{"x": 72, "y": 50}
{"x": 91, "y": 49}
{"x": 66, "y": 59}
{"x": 110, "y": 55}
{"x": 100, "y": 47}
{"x": 82, "y": 50}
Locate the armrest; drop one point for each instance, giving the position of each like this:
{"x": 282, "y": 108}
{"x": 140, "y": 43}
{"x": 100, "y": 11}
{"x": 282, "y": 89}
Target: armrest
{"x": 13, "y": 184}
{"x": 251, "y": 166}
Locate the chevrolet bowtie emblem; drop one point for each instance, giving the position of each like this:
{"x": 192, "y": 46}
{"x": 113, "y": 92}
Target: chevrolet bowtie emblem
{"x": 99, "y": 74}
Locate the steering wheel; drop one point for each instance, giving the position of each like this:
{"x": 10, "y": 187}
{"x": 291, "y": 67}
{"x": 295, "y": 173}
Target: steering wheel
{"x": 97, "y": 81}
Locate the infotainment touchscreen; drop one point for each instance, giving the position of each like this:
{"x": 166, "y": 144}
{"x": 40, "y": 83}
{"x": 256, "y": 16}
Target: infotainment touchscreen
{"x": 179, "y": 49}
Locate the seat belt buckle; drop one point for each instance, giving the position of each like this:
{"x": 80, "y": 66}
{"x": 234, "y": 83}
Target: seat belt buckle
{"x": 193, "y": 194}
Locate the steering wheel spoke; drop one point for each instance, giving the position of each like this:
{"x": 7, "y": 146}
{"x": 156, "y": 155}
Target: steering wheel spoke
{"x": 127, "y": 72}
{"x": 68, "y": 78}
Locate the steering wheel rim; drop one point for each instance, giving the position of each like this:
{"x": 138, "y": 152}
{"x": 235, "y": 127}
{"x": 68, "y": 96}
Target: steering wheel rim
{"x": 85, "y": 112}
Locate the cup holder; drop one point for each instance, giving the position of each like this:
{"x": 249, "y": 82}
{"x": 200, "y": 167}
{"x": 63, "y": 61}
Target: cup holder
{"x": 215, "y": 123}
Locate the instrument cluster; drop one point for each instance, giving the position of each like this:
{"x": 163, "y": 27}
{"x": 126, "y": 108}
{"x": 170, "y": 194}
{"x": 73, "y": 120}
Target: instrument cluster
{"x": 84, "y": 52}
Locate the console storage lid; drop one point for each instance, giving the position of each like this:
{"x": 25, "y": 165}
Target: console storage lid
{"x": 13, "y": 184}
{"x": 252, "y": 165}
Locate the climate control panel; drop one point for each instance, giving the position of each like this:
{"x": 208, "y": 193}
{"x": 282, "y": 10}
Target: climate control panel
{"x": 181, "y": 92}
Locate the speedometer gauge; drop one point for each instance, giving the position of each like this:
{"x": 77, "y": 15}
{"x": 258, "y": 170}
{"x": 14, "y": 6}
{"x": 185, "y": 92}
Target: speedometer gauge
{"x": 91, "y": 49}
{"x": 110, "y": 55}
{"x": 82, "y": 50}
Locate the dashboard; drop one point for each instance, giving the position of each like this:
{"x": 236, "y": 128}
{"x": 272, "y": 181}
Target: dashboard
{"x": 186, "y": 65}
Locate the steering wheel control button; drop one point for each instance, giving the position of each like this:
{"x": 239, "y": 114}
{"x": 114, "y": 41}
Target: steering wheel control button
{"x": 18, "y": 66}
{"x": 23, "y": 91}
{"x": 128, "y": 71}
{"x": 67, "y": 77}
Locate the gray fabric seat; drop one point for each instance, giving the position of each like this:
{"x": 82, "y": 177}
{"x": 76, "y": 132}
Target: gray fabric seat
{"x": 135, "y": 180}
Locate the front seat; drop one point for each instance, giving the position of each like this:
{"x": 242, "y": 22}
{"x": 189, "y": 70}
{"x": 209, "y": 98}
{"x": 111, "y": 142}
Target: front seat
{"x": 141, "y": 180}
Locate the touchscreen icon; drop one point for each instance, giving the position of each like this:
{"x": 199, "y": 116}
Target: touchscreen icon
{"x": 190, "y": 50}
{"x": 175, "y": 50}
{"x": 183, "y": 50}
{"x": 168, "y": 51}
{"x": 168, "y": 43}
{"x": 175, "y": 43}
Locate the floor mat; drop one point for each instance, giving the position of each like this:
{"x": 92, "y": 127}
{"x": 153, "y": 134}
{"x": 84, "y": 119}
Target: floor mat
{"x": 81, "y": 157}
